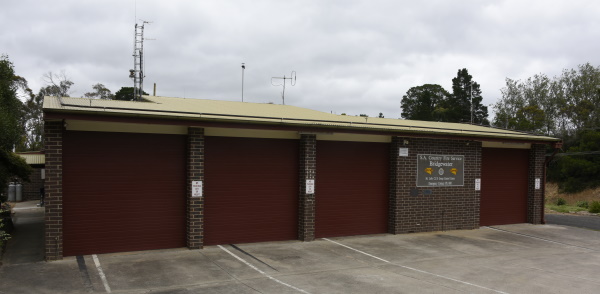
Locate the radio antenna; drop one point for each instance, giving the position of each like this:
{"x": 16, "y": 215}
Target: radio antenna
{"x": 243, "y": 68}
{"x": 292, "y": 79}
{"x": 137, "y": 73}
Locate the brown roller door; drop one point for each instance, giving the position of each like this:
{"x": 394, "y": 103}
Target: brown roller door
{"x": 351, "y": 188}
{"x": 123, "y": 192}
{"x": 504, "y": 175}
{"x": 251, "y": 190}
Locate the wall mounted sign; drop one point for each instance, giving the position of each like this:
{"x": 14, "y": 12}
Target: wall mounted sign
{"x": 196, "y": 188}
{"x": 434, "y": 170}
{"x": 310, "y": 186}
{"x": 403, "y": 152}
{"x": 477, "y": 184}
{"x": 537, "y": 183}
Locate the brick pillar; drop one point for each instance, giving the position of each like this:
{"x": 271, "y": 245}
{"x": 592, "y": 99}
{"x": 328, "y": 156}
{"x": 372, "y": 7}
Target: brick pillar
{"x": 53, "y": 143}
{"x": 535, "y": 197}
{"x": 195, "y": 172}
{"x": 394, "y": 198}
{"x": 308, "y": 168}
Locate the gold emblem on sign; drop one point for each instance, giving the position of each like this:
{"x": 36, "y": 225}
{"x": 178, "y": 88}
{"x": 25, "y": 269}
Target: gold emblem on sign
{"x": 429, "y": 170}
{"x": 454, "y": 171}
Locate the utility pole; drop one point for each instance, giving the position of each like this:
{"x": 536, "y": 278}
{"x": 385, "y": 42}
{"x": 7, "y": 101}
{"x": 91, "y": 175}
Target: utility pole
{"x": 292, "y": 79}
{"x": 243, "y": 68}
{"x": 471, "y": 92}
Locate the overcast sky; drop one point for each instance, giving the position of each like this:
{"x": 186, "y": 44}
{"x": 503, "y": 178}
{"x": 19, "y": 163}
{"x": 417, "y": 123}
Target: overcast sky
{"x": 350, "y": 56}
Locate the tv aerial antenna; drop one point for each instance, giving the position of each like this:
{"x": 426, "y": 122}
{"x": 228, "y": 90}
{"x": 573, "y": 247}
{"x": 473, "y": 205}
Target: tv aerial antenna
{"x": 283, "y": 79}
{"x": 137, "y": 73}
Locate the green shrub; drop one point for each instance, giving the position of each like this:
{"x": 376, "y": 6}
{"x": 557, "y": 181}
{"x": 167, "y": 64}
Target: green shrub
{"x": 595, "y": 207}
{"x": 4, "y": 236}
{"x": 573, "y": 171}
{"x": 583, "y": 204}
{"x": 560, "y": 201}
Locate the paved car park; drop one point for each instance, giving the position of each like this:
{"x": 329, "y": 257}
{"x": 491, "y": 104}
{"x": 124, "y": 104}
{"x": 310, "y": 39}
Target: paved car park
{"x": 520, "y": 258}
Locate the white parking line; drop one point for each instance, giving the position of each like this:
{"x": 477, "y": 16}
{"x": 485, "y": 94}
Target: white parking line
{"x": 414, "y": 269}
{"x": 101, "y": 273}
{"x": 261, "y": 272}
{"x": 539, "y": 238}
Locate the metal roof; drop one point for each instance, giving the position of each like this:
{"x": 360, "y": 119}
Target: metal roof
{"x": 33, "y": 158}
{"x": 246, "y": 112}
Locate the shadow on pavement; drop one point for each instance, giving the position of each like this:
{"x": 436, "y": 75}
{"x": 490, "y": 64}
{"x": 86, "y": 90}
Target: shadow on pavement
{"x": 27, "y": 240}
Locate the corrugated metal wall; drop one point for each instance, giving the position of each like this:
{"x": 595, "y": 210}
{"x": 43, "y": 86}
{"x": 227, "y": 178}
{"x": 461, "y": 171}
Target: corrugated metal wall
{"x": 251, "y": 190}
{"x": 351, "y": 188}
{"x": 123, "y": 192}
{"x": 504, "y": 179}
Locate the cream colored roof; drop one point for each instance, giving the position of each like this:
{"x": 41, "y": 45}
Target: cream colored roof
{"x": 201, "y": 109}
{"x": 33, "y": 158}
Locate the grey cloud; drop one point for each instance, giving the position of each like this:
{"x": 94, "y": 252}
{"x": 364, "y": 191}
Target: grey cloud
{"x": 350, "y": 56}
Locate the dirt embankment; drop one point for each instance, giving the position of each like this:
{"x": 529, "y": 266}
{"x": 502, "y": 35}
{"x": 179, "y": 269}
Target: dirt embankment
{"x": 588, "y": 195}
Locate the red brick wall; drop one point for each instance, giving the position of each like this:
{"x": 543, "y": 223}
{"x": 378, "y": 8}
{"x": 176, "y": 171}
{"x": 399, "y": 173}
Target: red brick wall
{"x": 31, "y": 190}
{"x": 53, "y": 143}
{"x": 308, "y": 165}
{"x": 447, "y": 208}
{"x": 195, "y": 172}
{"x": 535, "y": 197}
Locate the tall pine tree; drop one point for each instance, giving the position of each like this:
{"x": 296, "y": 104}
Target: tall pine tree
{"x": 465, "y": 90}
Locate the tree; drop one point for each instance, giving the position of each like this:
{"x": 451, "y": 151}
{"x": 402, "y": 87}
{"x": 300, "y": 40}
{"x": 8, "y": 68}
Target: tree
{"x": 381, "y": 115}
{"x": 579, "y": 168}
{"x": 527, "y": 106}
{"x": 566, "y": 104}
{"x": 59, "y": 85}
{"x": 126, "y": 94}
{"x": 11, "y": 109}
{"x": 32, "y": 117}
{"x": 33, "y": 124}
{"x": 100, "y": 91}
{"x": 466, "y": 97}
{"x": 427, "y": 102}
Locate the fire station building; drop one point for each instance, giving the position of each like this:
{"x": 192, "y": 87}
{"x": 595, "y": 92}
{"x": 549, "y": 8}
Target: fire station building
{"x": 174, "y": 172}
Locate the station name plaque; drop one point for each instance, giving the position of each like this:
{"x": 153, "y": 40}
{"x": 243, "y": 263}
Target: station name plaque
{"x": 434, "y": 170}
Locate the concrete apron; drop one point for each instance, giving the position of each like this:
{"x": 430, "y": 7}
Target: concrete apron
{"x": 506, "y": 259}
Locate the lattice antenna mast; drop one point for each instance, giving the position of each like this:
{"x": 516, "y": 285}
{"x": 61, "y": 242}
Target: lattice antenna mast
{"x": 137, "y": 73}
{"x": 292, "y": 79}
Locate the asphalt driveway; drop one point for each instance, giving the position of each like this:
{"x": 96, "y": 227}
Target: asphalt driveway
{"x": 505, "y": 259}
{"x": 591, "y": 222}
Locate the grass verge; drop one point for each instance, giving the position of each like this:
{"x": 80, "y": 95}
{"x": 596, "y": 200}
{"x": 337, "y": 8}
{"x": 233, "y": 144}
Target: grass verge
{"x": 570, "y": 200}
{"x": 565, "y": 208}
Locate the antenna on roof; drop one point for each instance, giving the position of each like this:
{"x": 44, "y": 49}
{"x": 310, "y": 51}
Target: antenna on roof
{"x": 292, "y": 79}
{"x": 243, "y": 68}
{"x": 137, "y": 73}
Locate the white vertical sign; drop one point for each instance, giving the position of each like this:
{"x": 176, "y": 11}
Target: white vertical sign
{"x": 403, "y": 152}
{"x": 196, "y": 188}
{"x": 477, "y": 184}
{"x": 537, "y": 183}
{"x": 310, "y": 186}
